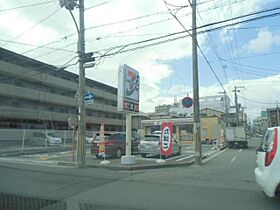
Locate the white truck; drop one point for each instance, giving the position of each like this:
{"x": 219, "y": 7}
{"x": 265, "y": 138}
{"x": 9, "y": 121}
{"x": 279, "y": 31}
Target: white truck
{"x": 236, "y": 137}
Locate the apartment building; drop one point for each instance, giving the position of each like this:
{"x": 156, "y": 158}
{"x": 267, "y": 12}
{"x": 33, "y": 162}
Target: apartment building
{"x": 37, "y": 95}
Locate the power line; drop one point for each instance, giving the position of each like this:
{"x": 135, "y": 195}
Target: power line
{"x": 228, "y": 43}
{"x": 253, "y": 72}
{"x": 128, "y": 20}
{"x": 250, "y": 56}
{"x": 25, "y": 6}
{"x": 183, "y": 36}
{"x": 204, "y": 56}
{"x": 97, "y": 5}
{"x": 37, "y": 46}
{"x": 34, "y": 26}
{"x": 257, "y": 102}
{"x": 256, "y": 67}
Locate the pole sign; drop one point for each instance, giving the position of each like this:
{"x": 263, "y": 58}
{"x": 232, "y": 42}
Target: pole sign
{"x": 101, "y": 151}
{"x": 187, "y": 102}
{"x": 166, "y": 138}
{"x": 89, "y": 98}
{"x": 128, "y": 89}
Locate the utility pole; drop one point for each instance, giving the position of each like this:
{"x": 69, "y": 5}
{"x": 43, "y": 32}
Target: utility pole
{"x": 83, "y": 59}
{"x": 236, "y": 103}
{"x": 196, "y": 110}
{"x": 81, "y": 149}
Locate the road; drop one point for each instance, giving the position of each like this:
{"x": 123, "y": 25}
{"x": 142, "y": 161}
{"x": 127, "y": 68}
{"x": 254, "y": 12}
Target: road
{"x": 224, "y": 182}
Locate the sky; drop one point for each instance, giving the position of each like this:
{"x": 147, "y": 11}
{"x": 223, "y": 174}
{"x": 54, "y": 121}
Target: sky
{"x": 243, "y": 54}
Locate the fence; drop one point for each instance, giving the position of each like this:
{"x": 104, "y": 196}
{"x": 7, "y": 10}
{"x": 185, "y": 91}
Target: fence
{"x": 31, "y": 138}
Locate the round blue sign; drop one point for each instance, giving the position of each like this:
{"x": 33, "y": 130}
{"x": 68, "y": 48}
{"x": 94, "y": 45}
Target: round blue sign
{"x": 187, "y": 102}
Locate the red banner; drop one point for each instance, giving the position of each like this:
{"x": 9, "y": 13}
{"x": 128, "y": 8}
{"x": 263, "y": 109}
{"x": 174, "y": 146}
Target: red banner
{"x": 166, "y": 138}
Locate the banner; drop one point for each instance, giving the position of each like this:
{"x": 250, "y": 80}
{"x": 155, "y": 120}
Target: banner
{"x": 101, "y": 151}
{"x": 166, "y": 138}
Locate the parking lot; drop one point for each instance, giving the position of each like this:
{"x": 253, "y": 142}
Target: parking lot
{"x": 68, "y": 158}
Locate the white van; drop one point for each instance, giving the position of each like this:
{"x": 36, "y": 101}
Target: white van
{"x": 267, "y": 172}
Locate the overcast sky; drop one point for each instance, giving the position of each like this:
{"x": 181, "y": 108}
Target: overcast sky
{"x": 246, "y": 54}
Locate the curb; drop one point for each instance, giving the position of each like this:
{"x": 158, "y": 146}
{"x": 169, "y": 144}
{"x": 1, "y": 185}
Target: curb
{"x": 129, "y": 168}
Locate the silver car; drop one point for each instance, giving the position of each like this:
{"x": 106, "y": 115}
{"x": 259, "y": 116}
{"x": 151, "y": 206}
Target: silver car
{"x": 150, "y": 145}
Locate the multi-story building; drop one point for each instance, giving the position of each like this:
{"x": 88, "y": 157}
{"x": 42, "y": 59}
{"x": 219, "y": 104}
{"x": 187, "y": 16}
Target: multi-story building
{"x": 34, "y": 94}
{"x": 217, "y": 102}
{"x": 260, "y": 125}
{"x": 273, "y": 116}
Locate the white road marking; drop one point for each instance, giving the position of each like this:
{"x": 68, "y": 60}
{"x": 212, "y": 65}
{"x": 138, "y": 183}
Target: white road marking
{"x": 184, "y": 158}
{"x": 233, "y": 159}
{"x": 240, "y": 150}
{"x": 175, "y": 157}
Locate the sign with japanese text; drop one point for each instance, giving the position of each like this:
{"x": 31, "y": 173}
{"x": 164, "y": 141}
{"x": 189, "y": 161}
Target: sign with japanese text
{"x": 166, "y": 138}
{"x": 128, "y": 89}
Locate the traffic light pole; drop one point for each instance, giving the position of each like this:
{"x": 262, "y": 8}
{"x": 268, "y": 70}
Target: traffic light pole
{"x": 196, "y": 110}
{"x": 81, "y": 149}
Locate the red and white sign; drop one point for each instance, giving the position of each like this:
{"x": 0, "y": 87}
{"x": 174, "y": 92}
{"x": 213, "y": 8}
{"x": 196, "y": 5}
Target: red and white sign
{"x": 128, "y": 89}
{"x": 166, "y": 138}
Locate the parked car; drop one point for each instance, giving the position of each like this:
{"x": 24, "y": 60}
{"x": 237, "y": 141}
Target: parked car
{"x": 150, "y": 145}
{"x": 267, "y": 172}
{"x": 89, "y": 139}
{"x": 45, "y": 139}
{"x": 115, "y": 144}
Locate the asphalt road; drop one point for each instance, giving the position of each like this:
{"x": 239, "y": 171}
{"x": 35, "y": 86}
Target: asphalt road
{"x": 224, "y": 182}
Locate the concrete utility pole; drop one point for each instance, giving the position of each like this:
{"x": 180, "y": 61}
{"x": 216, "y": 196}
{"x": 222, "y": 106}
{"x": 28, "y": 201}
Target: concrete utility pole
{"x": 236, "y": 103}
{"x": 196, "y": 110}
{"x": 81, "y": 147}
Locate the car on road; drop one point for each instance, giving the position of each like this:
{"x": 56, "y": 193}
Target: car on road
{"x": 150, "y": 145}
{"x": 45, "y": 139}
{"x": 267, "y": 172}
{"x": 115, "y": 144}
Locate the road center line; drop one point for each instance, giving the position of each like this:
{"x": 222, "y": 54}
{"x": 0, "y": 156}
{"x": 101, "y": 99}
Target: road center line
{"x": 233, "y": 159}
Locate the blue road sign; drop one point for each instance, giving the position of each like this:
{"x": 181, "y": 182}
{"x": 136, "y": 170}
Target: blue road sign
{"x": 89, "y": 98}
{"x": 187, "y": 102}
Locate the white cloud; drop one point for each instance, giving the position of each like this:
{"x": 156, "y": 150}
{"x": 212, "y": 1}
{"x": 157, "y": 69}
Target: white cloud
{"x": 151, "y": 62}
{"x": 264, "y": 90}
{"x": 264, "y": 41}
